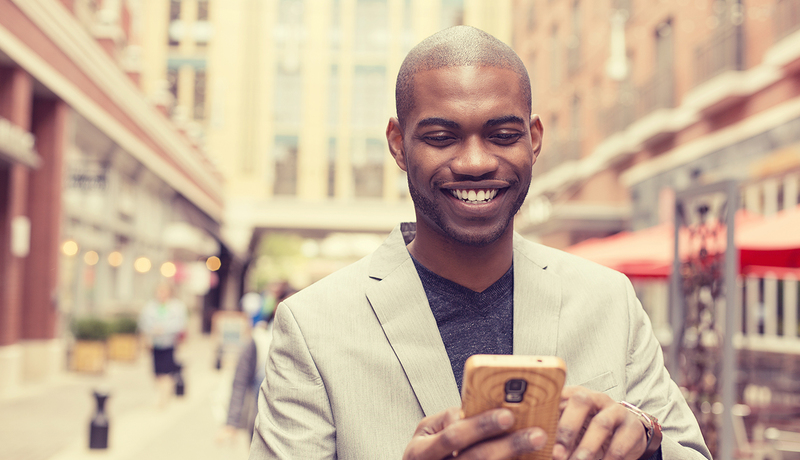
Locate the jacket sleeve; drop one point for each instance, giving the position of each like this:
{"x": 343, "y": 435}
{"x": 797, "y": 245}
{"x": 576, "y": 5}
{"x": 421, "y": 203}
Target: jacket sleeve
{"x": 296, "y": 420}
{"x": 649, "y": 387}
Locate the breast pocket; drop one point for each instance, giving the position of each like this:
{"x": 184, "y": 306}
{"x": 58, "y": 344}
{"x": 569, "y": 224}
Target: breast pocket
{"x": 604, "y": 383}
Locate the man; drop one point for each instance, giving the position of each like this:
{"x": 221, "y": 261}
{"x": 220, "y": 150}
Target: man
{"x": 367, "y": 363}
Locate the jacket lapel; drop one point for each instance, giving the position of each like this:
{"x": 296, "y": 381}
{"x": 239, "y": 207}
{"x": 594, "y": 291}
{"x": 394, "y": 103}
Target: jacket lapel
{"x": 399, "y": 302}
{"x": 537, "y": 302}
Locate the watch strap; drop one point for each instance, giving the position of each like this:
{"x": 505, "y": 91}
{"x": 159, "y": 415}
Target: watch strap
{"x": 652, "y": 430}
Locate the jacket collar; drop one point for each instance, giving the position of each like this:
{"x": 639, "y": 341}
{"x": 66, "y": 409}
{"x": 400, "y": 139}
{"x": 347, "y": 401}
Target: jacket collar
{"x": 399, "y": 302}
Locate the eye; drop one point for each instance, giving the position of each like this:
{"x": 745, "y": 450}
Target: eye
{"x": 505, "y": 138}
{"x": 439, "y": 139}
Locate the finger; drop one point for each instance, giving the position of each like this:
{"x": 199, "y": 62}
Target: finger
{"x": 577, "y": 410}
{"x": 435, "y": 423}
{"x": 459, "y": 436}
{"x": 602, "y": 428}
{"x": 628, "y": 442}
{"x": 511, "y": 445}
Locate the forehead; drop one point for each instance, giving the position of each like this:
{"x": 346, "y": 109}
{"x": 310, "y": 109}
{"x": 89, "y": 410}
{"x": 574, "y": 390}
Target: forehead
{"x": 482, "y": 92}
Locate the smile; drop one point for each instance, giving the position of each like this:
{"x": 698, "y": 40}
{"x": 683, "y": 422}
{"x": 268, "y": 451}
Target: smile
{"x": 474, "y": 196}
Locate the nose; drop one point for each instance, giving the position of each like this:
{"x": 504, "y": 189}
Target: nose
{"x": 474, "y": 159}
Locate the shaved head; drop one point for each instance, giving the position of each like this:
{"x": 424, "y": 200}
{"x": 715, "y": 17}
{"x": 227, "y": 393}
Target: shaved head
{"x": 455, "y": 47}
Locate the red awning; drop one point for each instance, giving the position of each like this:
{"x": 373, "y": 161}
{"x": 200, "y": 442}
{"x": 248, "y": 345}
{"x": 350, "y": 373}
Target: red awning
{"x": 773, "y": 241}
{"x": 764, "y": 242}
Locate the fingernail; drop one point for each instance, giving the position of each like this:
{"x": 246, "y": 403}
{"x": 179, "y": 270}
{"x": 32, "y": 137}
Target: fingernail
{"x": 538, "y": 438}
{"x": 559, "y": 452}
{"x": 581, "y": 455}
{"x": 505, "y": 419}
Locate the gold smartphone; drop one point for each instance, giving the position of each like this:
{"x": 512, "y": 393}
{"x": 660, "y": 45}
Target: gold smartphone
{"x": 529, "y": 386}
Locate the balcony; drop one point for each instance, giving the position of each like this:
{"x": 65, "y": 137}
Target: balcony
{"x": 658, "y": 93}
{"x": 721, "y": 53}
{"x": 617, "y": 117}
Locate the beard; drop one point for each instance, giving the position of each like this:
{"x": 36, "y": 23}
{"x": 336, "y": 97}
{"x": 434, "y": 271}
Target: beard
{"x": 432, "y": 211}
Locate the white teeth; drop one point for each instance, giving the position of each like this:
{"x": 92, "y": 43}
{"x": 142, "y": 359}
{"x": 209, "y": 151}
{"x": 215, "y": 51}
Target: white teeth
{"x": 472, "y": 196}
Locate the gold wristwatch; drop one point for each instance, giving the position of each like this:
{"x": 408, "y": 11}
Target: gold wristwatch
{"x": 652, "y": 430}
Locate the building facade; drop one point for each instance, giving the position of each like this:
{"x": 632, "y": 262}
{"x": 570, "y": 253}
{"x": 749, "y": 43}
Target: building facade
{"x": 292, "y": 98}
{"x": 101, "y": 196}
{"x": 640, "y": 99}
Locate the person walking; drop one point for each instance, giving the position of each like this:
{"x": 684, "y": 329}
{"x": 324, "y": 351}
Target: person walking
{"x": 163, "y": 324}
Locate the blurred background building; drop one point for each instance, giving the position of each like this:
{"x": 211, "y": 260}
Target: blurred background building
{"x": 643, "y": 99}
{"x": 101, "y": 196}
{"x": 291, "y": 99}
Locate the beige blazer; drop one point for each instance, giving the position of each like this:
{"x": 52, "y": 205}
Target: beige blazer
{"x": 357, "y": 361}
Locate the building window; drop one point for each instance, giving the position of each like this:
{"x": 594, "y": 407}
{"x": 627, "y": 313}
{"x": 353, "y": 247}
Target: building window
{"x": 202, "y": 10}
{"x": 172, "y": 80}
{"x": 574, "y": 44}
{"x": 175, "y": 25}
{"x": 199, "y": 110}
{"x": 202, "y": 28}
{"x": 369, "y": 99}
{"x": 452, "y": 13}
{"x": 331, "y": 166}
{"x": 368, "y": 158}
{"x": 573, "y": 147}
{"x": 371, "y": 27}
{"x": 333, "y": 98}
{"x": 285, "y": 157}
{"x": 555, "y": 58}
{"x": 287, "y": 111}
{"x": 534, "y": 79}
{"x": 531, "y": 16}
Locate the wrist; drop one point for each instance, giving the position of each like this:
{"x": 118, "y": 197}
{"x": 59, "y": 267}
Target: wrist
{"x": 652, "y": 430}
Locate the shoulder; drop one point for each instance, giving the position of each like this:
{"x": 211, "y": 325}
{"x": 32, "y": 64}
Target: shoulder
{"x": 346, "y": 284}
{"x": 565, "y": 265}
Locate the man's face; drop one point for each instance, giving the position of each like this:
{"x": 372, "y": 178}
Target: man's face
{"x": 468, "y": 147}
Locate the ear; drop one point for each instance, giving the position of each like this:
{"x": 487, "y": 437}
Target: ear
{"x": 394, "y": 136}
{"x": 537, "y": 131}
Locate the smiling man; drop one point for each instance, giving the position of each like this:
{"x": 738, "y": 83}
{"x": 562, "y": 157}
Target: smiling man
{"x": 368, "y": 362}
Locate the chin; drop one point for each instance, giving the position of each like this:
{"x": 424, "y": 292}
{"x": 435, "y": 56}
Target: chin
{"x": 477, "y": 238}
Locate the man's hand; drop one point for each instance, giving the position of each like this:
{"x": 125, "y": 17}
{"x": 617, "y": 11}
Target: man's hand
{"x": 594, "y": 426}
{"x": 484, "y": 436}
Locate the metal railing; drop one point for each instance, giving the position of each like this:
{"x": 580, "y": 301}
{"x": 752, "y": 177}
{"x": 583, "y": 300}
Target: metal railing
{"x": 722, "y": 52}
{"x": 658, "y": 93}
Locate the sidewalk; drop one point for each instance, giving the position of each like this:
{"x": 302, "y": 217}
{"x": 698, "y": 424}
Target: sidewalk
{"x": 51, "y": 421}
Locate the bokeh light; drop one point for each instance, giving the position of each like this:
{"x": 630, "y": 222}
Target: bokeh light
{"x": 213, "y": 263}
{"x": 168, "y": 269}
{"x": 115, "y": 259}
{"x": 142, "y": 265}
{"x": 91, "y": 258}
{"x": 69, "y": 248}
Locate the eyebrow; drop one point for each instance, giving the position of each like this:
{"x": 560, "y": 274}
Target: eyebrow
{"x": 444, "y": 122}
{"x": 437, "y": 121}
{"x": 506, "y": 119}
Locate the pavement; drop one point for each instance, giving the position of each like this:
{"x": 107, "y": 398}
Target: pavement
{"x": 50, "y": 421}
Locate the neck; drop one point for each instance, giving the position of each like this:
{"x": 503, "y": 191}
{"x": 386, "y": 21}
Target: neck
{"x": 475, "y": 268}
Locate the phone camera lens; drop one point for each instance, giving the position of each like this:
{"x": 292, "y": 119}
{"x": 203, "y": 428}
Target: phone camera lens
{"x": 515, "y": 388}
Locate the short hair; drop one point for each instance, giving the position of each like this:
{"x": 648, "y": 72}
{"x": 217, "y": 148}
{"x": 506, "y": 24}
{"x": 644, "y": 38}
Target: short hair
{"x": 454, "y": 47}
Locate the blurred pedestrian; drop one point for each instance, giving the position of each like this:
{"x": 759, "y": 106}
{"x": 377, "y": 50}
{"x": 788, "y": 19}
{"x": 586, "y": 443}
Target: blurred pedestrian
{"x": 163, "y": 324}
{"x": 250, "y": 367}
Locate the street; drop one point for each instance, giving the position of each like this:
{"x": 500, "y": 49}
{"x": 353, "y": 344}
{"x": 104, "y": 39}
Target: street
{"x": 51, "y": 421}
